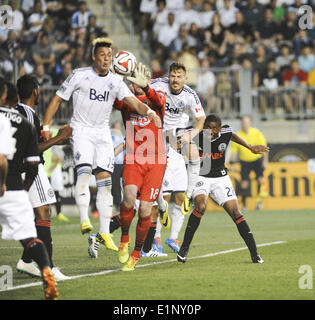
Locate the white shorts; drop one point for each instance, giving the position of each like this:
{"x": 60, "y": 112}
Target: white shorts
{"x": 56, "y": 179}
{"x": 175, "y": 177}
{"x": 93, "y": 147}
{"x": 218, "y": 189}
{"x": 41, "y": 192}
{"x": 17, "y": 216}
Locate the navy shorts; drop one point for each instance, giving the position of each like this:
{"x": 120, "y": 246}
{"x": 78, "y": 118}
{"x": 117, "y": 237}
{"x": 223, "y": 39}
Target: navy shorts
{"x": 247, "y": 167}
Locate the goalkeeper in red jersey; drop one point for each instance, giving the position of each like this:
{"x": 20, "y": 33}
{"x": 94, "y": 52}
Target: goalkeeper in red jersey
{"x": 144, "y": 164}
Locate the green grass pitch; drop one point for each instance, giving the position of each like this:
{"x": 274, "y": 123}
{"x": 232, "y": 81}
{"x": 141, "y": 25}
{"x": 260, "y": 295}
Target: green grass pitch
{"x": 228, "y": 275}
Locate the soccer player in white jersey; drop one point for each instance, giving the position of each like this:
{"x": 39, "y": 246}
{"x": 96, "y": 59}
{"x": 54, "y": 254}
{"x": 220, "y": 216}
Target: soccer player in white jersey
{"x": 94, "y": 90}
{"x": 180, "y": 99}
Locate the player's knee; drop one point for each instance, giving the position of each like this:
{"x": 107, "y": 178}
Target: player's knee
{"x": 200, "y": 206}
{"x": 129, "y": 199}
{"x": 43, "y": 213}
{"x": 235, "y": 213}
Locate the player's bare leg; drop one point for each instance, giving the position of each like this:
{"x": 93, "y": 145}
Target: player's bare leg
{"x": 232, "y": 208}
{"x": 200, "y": 203}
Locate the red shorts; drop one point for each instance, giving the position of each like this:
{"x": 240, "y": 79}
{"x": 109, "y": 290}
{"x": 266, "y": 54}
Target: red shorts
{"x": 148, "y": 178}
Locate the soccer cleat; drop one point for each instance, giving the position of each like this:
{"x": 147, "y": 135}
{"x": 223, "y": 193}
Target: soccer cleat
{"x": 173, "y": 244}
{"x": 152, "y": 253}
{"x": 93, "y": 246}
{"x": 186, "y": 205}
{"x": 58, "y": 275}
{"x": 157, "y": 245}
{"x": 130, "y": 264}
{"x": 165, "y": 219}
{"x": 86, "y": 226}
{"x": 123, "y": 253}
{"x": 30, "y": 269}
{"x": 181, "y": 256}
{"x": 50, "y": 289}
{"x": 107, "y": 241}
{"x": 257, "y": 259}
{"x": 62, "y": 217}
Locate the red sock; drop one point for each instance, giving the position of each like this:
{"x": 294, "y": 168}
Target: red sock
{"x": 143, "y": 227}
{"x": 126, "y": 216}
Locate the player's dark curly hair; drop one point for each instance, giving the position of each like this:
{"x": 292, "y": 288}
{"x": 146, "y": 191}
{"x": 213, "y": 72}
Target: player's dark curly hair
{"x": 213, "y": 118}
{"x": 25, "y": 86}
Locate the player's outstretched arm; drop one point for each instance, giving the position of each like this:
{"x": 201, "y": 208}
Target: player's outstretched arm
{"x": 143, "y": 110}
{"x": 141, "y": 78}
{"x": 49, "y": 114}
{"x": 254, "y": 149}
{"x": 63, "y": 135}
{"x": 188, "y": 136}
{"x": 120, "y": 148}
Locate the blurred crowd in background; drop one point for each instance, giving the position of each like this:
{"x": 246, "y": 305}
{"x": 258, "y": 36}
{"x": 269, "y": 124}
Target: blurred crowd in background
{"x": 51, "y": 38}
{"x": 48, "y": 38}
{"x": 263, "y": 36}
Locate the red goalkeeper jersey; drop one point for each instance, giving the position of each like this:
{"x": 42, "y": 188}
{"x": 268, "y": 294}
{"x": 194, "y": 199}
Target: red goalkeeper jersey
{"x": 144, "y": 140}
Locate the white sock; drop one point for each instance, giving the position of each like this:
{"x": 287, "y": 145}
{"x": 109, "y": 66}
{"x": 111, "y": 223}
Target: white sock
{"x": 104, "y": 203}
{"x": 161, "y": 202}
{"x": 177, "y": 222}
{"x": 82, "y": 191}
{"x": 193, "y": 174}
{"x": 158, "y": 229}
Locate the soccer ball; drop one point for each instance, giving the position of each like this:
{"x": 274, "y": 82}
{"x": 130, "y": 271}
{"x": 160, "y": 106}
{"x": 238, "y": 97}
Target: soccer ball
{"x": 124, "y": 63}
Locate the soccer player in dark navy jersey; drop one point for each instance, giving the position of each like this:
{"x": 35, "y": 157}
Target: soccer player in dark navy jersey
{"x": 16, "y": 213}
{"x": 216, "y": 183}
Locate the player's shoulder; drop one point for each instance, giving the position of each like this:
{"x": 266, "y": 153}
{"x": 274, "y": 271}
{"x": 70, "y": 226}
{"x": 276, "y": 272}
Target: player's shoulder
{"x": 28, "y": 113}
{"x": 190, "y": 93}
{"x": 160, "y": 82}
{"x": 226, "y": 129}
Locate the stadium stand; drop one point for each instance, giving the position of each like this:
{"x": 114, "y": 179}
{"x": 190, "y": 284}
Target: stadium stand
{"x": 239, "y": 40}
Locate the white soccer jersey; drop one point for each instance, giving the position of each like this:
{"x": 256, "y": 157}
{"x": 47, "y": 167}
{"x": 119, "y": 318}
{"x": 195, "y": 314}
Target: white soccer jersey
{"x": 5, "y": 136}
{"x": 178, "y": 104}
{"x": 93, "y": 96}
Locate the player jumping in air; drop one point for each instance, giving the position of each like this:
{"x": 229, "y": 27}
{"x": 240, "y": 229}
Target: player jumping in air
{"x": 144, "y": 165}
{"x": 180, "y": 99}
{"x": 94, "y": 90}
{"x": 217, "y": 184}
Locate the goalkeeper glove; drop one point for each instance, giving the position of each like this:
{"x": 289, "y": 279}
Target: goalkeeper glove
{"x": 140, "y": 76}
